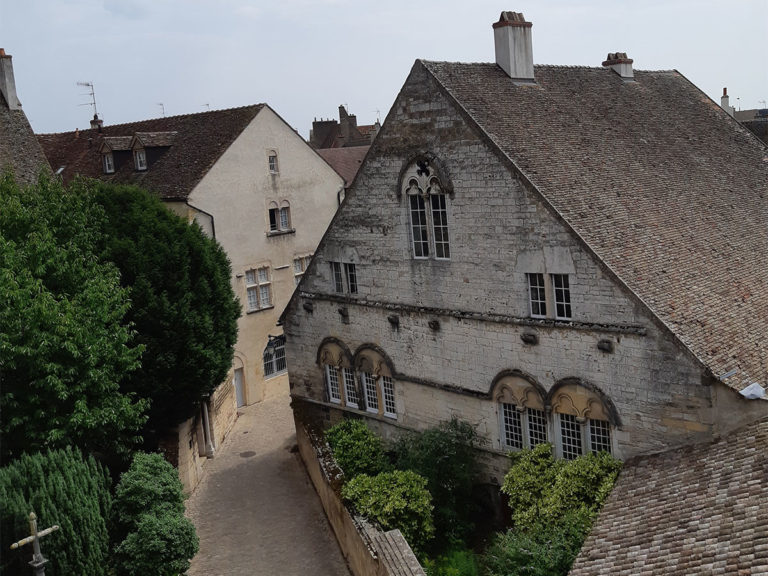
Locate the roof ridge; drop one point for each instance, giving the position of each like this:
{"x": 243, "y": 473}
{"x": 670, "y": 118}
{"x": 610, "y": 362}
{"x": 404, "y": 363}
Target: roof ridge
{"x": 548, "y": 66}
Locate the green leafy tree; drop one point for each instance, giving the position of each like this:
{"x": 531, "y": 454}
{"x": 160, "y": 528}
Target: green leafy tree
{"x": 530, "y": 478}
{"x": 356, "y": 449}
{"x": 150, "y": 534}
{"x": 446, "y": 456}
{"x": 64, "y": 345}
{"x": 397, "y": 499}
{"x": 65, "y": 488}
{"x": 183, "y": 307}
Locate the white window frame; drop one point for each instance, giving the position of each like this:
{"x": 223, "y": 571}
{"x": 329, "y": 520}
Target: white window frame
{"x": 331, "y": 375}
{"x": 350, "y": 388}
{"x": 541, "y": 291}
{"x": 350, "y": 276}
{"x": 272, "y": 162}
{"x": 370, "y": 385}
{"x": 300, "y": 265}
{"x": 140, "y": 159}
{"x": 428, "y": 215}
{"x": 109, "y": 163}
{"x": 388, "y": 397}
{"x": 593, "y": 423}
{"x": 277, "y": 362}
{"x": 559, "y": 436}
{"x": 257, "y": 281}
{"x": 525, "y": 426}
{"x": 337, "y": 277}
{"x": 562, "y": 296}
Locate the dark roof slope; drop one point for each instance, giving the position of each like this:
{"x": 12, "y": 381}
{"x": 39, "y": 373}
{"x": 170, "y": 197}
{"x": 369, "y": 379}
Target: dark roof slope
{"x": 666, "y": 188}
{"x": 696, "y": 510}
{"x": 19, "y": 149}
{"x": 346, "y": 161}
{"x": 196, "y": 142}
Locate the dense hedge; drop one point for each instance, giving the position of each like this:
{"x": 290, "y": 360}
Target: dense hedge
{"x": 356, "y": 449}
{"x": 62, "y": 487}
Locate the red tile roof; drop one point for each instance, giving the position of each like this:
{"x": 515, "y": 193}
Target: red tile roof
{"x": 346, "y": 161}
{"x": 191, "y": 144}
{"x": 696, "y": 510}
{"x": 667, "y": 189}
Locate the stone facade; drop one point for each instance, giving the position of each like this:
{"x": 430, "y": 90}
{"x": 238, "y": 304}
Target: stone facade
{"x": 447, "y": 329}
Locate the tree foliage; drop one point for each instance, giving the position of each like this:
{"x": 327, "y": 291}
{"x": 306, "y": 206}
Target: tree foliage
{"x": 64, "y": 345}
{"x": 397, "y": 499}
{"x": 446, "y": 456}
{"x": 182, "y": 303}
{"x": 62, "y": 487}
{"x": 151, "y": 535}
{"x": 356, "y": 449}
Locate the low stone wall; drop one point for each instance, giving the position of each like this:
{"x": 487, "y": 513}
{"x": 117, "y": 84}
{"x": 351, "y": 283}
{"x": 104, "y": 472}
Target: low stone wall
{"x": 368, "y": 550}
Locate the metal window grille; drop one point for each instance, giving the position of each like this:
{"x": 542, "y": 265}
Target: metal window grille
{"x": 537, "y": 427}
{"x": 538, "y": 295}
{"x": 388, "y": 393}
{"x": 274, "y": 359}
{"x": 419, "y": 227}
{"x": 440, "y": 226}
{"x": 332, "y": 375}
{"x": 599, "y": 436}
{"x": 351, "y": 274}
{"x": 350, "y": 388}
{"x": 338, "y": 282}
{"x": 562, "y": 296}
{"x": 371, "y": 398}
{"x": 513, "y": 429}
{"x": 570, "y": 436}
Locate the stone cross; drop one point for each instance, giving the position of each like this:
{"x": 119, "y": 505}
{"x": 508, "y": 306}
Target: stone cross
{"x": 38, "y": 561}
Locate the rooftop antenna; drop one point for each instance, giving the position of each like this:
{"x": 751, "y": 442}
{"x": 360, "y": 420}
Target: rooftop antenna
{"x": 207, "y": 106}
{"x": 162, "y": 107}
{"x": 91, "y": 93}
{"x": 761, "y": 102}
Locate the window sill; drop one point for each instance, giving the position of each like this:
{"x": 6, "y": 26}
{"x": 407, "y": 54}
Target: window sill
{"x": 275, "y": 374}
{"x": 281, "y": 232}
{"x": 259, "y": 310}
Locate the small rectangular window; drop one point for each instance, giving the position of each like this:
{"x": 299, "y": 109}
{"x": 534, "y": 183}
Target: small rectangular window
{"x": 388, "y": 393}
{"x": 140, "y": 159}
{"x": 285, "y": 218}
{"x": 258, "y": 289}
{"x": 570, "y": 436}
{"x": 350, "y": 388}
{"x": 419, "y": 233}
{"x": 109, "y": 163}
{"x": 513, "y": 429}
{"x": 599, "y": 436}
{"x": 562, "y": 296}
{"x": 338, "y": 281}
{"x": 332, "y": 375}
{"x": 538, "y": 298}
{"x": 273, "y": 163}
{"x": 351, "y": 275}
{"x": 300, "y": 266}
{"x": 371, "y": 397}
{"x": 273, "y": 216}
{"x": 537, "y": 427}
{"x": 440, "y": 226}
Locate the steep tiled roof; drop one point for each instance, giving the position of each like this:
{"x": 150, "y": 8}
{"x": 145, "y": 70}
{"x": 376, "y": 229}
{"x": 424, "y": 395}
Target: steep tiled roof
{"x": 196, "y": 142}
{"x": 19, "y": 149}
{"x": 346, "y": 161}
{"x": 696, "y": 510}
{"x": 666, "y": 188}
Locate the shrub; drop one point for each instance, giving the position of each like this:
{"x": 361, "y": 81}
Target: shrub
{"x": 446, "y": 456}
{"x": 530, "y": 478}
{"x": 543, "y": 550}
{"x": 62, "y": 487}
{"x": 152, "y": 536}
{"x": 356, "y": 448}
{"x": 455, "y": 562}
{"x": 398, "y": 499}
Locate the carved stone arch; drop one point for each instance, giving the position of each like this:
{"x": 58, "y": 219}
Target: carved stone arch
{"x": 372, "y": 359}
{"x": 427, "y": 166}
{"x": 334, "y": 352}
{"x": 582, "y": 399}
{"x": 518, "y": 388}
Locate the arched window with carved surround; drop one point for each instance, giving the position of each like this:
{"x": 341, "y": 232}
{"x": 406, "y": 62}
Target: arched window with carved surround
{"x": 584, "y": 419}
{"x": 427, "y": 203}
{"x": 378, "y": 384}
{"x": 522, "y": 413}
{"x": 340, "y": 384}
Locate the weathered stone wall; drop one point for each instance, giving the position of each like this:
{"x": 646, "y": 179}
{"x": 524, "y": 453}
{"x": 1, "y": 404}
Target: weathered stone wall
{"x": 500, "y": 230}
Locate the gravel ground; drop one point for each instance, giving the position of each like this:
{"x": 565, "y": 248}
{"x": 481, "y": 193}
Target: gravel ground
{"x": 256, "y": 511}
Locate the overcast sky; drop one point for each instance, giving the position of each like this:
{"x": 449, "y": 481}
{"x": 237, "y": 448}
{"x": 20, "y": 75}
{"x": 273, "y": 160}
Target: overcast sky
{"x": 305, "y": 57}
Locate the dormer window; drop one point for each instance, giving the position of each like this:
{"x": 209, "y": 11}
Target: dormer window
{"x": 140, "y": 159}
{"x": 109, "y": 163}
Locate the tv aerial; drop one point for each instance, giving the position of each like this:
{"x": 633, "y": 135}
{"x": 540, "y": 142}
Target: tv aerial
{"x": 92, "y": 93}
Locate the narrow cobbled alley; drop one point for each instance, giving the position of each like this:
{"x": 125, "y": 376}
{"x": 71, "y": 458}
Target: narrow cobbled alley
{"x": 255, "y": 511}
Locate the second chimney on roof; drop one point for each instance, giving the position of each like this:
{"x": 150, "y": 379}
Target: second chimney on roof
{"x": 725, "y": 102}
{"x": 620, "y": 64}
{"x": 7, "y": 83}
{"x": 514, "y": 46}
{"x": 96, "y": 123}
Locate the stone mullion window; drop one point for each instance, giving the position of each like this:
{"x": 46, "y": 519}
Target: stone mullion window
{"x": 571, "y": 438}
{"x": 419, "y": 226}
{"x": 440, "y": 226}
{"x": 562, "y": 293}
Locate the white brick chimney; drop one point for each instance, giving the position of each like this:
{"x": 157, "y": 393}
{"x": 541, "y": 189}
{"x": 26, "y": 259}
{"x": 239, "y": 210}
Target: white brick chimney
{"x": 514, "y": 47}
{"x": 620, "y": 64}
{"x": 725, "y": 103}
{"x": 7, "y": 83}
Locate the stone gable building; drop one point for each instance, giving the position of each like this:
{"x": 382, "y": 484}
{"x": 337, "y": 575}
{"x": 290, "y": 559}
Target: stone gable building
{"x": 251, "y": 182}
{"x": 552, "y": 253}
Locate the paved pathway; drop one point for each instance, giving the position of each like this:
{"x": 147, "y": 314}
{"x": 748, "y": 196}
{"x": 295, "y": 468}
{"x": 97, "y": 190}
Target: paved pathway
{"x": 256, "y": 511}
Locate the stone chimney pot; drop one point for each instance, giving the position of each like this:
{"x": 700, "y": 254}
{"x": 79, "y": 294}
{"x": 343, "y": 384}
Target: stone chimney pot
{"x": 514, "y": 46}
{"x": 621, "y": 64}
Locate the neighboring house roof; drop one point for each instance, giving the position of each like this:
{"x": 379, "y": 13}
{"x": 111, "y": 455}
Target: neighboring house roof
{"x": 19, "y": 149}
{"x": 192, "y": 144}
{"x": 694, "y": 510}
{"x": 346, "y": 161}
{"x": 667, "y": 189}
